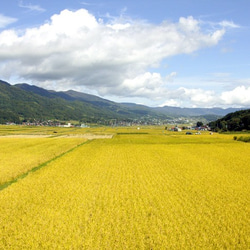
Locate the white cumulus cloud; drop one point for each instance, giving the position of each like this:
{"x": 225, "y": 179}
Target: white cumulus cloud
{"x": 238, "y": 96}
{"x": 74, "y": 49}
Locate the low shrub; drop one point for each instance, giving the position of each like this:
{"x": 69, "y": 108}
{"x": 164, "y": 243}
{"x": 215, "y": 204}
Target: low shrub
{"x": 243, "y": 138}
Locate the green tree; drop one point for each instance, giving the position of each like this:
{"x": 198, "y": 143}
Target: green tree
{"x": 246, "y": 122}
{"x": 199, "y": 124}
{"x": 234, "y": 124}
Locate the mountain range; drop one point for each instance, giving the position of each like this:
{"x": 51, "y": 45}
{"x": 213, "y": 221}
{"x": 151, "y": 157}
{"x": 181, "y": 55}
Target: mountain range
{"x": 22, "y": 102}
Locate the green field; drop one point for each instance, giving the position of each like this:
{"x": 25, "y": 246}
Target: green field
{"x": 140, "y": 189}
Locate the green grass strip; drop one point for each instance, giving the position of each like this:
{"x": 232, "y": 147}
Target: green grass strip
{"x": 22, "y": 176}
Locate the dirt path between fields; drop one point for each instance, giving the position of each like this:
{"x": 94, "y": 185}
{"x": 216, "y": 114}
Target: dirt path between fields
{"x": 86, "y": 136}
{"x": 24, "y": 136}
{"x": 91, "y": 136}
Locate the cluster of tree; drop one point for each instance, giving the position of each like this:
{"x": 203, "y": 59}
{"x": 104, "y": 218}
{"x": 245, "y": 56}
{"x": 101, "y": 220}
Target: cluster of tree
{"x": 6, "y": 116}
{"x": 236, "y": 121}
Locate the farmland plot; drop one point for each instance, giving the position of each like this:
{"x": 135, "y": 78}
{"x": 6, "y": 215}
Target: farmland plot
{"x": 19, "y": 155}
{"x": 133, "y": 193}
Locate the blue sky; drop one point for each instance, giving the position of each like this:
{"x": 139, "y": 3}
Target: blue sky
{"x": 186, "y": 53}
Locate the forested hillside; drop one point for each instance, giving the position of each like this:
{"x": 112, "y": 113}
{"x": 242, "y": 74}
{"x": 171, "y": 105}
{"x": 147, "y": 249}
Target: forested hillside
{"x": 24, "y": 102}
{"x": 236, "y": 121}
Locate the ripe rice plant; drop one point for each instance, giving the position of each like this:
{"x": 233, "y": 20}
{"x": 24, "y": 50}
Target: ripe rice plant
{"x": 149, "y": 191}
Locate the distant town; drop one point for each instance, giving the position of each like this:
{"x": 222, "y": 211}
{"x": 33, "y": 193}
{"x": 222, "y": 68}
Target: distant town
{"x": 176, "y": 124}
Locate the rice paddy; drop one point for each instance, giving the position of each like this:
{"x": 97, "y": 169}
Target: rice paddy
{"x": 140, "y": 189}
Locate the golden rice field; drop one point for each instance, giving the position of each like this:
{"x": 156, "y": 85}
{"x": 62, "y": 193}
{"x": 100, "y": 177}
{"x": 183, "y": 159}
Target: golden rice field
{"x": 19, "y": 155}
{"x": 142, "y": 189}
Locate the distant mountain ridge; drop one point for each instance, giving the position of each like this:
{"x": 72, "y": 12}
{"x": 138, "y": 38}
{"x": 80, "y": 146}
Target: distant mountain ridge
{"x": 195, "y": 111}
{"x": 24, "y": 102}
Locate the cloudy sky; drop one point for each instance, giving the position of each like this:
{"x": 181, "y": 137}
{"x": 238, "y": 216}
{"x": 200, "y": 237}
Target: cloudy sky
{"x": 186, "y": 53}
